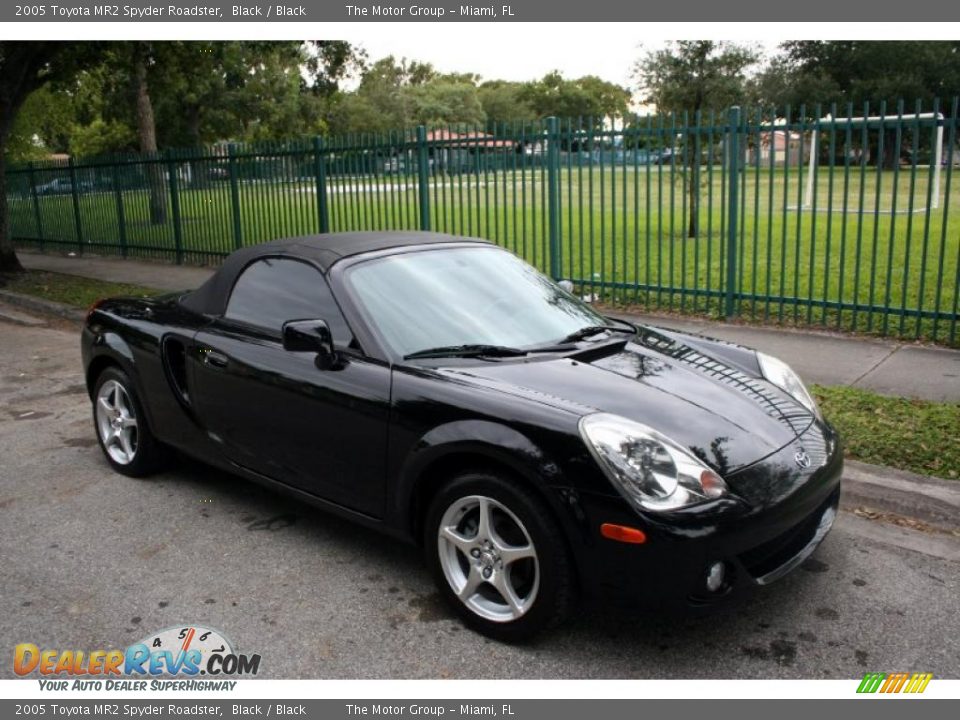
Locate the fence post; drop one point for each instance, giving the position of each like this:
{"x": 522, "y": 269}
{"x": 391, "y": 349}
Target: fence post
{"x": 235, "y": 196}
{"x": 733, "y": 206}
{"x": 175, "y": 207}
{"x": 423, "y": 176}
{"x": 36, "y": 207}
{"x": 76, "y": 204}
{"x": 121, "y": 214}
{"x": 553, "y": 196}
{"x": 320, "y": 170}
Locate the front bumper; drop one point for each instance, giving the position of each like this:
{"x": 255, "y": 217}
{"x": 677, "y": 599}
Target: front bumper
{"x": 759, "y": 540}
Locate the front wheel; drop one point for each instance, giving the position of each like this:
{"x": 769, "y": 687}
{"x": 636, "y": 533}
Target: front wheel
{"x": 121, "y": 425}
{"x": 498, "y": 557}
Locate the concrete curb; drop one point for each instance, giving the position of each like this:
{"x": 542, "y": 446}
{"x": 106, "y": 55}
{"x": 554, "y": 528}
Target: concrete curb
{"x": 46, "y": 307}
{"x": 921, "y": 497}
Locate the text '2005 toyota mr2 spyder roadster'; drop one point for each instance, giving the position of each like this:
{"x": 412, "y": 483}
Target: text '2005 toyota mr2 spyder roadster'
{"x": 442, "y": 390}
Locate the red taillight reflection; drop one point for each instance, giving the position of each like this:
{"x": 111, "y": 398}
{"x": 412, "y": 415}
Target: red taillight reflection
{"x": 96, "y": 304}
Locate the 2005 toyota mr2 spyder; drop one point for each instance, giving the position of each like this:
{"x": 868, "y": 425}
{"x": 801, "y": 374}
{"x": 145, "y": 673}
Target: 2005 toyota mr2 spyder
{"x": 442, "y": 390}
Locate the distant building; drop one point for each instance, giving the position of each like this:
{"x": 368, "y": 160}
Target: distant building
{"x": 783, "y": 145}
{"x": 456, "y": 151}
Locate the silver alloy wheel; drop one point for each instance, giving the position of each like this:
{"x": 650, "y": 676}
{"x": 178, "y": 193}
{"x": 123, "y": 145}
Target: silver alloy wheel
{"x": 488, "y": 558}
{"x": 117, "y": 422}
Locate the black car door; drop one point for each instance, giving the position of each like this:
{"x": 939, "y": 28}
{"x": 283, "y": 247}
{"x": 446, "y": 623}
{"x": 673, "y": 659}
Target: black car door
{"x": 274, "y": 411}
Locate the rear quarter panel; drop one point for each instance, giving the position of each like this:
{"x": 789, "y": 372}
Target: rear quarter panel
{"x": 128, "y": 332}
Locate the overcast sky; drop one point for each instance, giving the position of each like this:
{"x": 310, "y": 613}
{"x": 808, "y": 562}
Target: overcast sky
{"x": 498, "y": 55}
{"x": 514, "y": 53}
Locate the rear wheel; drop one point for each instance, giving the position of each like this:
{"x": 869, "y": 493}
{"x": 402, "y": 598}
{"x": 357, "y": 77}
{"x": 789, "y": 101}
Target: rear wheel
{"x": 121, "y": 425}
{"x": 498, "y": 557}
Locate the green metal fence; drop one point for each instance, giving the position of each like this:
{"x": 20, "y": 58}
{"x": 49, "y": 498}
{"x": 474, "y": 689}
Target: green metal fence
{"x": 841, "y": 218}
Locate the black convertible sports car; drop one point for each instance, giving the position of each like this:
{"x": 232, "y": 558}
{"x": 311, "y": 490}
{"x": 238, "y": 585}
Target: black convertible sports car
{"x": 442, "y": 390}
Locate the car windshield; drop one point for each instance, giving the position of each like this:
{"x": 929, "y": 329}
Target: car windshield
{"x": 465, "y": 296}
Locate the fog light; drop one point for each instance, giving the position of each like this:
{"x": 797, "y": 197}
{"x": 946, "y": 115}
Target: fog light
{"x": 716, "y": 574}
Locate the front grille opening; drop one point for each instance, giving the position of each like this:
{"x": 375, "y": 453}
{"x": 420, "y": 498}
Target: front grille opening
{"x": 766, "y": 558}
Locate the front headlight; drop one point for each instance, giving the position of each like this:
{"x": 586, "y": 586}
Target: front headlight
{"x": 651, "y": 470}
{"x": 783, "y": 376}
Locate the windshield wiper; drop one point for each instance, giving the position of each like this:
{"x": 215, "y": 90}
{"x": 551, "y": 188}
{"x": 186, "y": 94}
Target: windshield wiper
{"x": 590, "y": 330}
{"x": 467, "y": 351}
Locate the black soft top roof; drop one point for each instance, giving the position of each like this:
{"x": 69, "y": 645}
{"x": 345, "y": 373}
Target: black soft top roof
{"x": 321, "y": 250}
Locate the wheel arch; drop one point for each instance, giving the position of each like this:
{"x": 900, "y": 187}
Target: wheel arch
{"x": 481, "y": 445}
{"x": 109, "y": 349}
{"x": 96, "y": 368}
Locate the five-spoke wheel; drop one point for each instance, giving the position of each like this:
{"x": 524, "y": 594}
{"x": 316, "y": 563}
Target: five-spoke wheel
{"x": 488, "y": 558}
{"x": 116, "y": 422}
{"x": 122, "y": 427}
{"x": 498, "y": 556}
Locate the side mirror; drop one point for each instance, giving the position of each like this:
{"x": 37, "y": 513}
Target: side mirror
{"x": 566, "y": 286}
{"x": 312, "y": 336}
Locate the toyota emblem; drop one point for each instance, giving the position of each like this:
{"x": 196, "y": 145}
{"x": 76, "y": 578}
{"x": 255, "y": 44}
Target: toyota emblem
{"x": 802, "y": 460}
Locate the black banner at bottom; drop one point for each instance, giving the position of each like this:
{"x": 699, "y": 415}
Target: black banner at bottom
{"x": 874, "y": 708}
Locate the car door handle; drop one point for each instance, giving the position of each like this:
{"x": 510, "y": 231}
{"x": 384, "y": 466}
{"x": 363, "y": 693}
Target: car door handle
{"x": 214, "y": 359}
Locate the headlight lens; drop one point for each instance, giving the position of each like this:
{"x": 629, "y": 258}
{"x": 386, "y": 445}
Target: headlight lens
{"x": 783, "y": 376}
{"x": 651, "y": 470}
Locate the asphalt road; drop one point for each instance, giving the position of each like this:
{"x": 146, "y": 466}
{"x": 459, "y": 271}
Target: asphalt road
{"x": 95, "y": 560}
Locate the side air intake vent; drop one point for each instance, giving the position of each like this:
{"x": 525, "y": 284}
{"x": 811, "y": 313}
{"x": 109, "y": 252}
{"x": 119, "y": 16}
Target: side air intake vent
{"x": 175, "y": 364}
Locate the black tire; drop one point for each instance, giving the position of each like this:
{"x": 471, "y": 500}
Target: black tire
{"x": 149, "y": 455}
{"x": 554, "y": 596}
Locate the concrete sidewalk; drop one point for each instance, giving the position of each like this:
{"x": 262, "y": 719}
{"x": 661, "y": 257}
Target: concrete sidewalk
{"x": 885, "y": 366}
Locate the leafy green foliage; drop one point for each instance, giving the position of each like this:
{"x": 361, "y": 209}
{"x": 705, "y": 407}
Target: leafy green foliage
{"x": 812, "y": 72}
{"x": 587, "y": 97}
{"x": 505, "y": 102}
{"x": 693, "y": 75}
{"x": 101, "y": 137}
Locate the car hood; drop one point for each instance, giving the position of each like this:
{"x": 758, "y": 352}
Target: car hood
{"x": 728, "y": 417}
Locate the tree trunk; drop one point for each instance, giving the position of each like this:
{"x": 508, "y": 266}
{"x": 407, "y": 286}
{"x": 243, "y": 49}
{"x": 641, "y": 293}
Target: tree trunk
{"x": 890, "y": 158}
{"x": 887, "y": 160}
{"x": 193, "y": 123}
{"x": 198, "y": 169}
{"x": 8, "y": 256}
{"x": 693, "y": 227}
{"x": 147, "y": 129}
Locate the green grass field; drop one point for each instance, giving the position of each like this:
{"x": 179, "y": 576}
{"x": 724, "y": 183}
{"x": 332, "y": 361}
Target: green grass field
{"x": 73, "y": 290}
{"x": 622, "y": 235}
{"x": 914, "y": 435}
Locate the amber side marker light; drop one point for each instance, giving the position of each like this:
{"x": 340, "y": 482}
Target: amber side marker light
{"x": 623, "y": 533}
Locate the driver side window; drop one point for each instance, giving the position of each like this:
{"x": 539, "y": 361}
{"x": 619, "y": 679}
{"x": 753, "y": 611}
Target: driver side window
{"x": 271, "y": 291}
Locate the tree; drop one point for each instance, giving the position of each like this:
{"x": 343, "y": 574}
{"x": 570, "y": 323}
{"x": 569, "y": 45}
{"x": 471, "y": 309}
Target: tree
{"x": 861, "y": 71}
{"x": 818, "y": 73}
{"x": 25, "y": 67}
{"x": 398, "y": 94}
{"x": 101, "y": 137}
{"x": 503, "y": 102}
{"x": 329, "y": 62}
{"x": 588, "y": 97}
{"x": 44, "y": 125}
{"x": 440, "y": 102}
{"x": 147, "y": 132}
{"x": 690, "y": 77}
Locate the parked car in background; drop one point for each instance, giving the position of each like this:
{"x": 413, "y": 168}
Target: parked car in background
{"x": 442, "y": 390}
{"x": 63, "y": 186}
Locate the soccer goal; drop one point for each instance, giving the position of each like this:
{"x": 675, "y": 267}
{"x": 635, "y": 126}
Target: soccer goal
{"x": 876, "y": 164}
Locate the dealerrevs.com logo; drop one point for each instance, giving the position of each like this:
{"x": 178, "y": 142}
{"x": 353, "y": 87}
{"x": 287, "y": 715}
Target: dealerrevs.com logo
{"x": 184, "y": 652}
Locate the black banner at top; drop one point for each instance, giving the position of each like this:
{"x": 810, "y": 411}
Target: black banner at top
{"x": 512, "y": 11}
